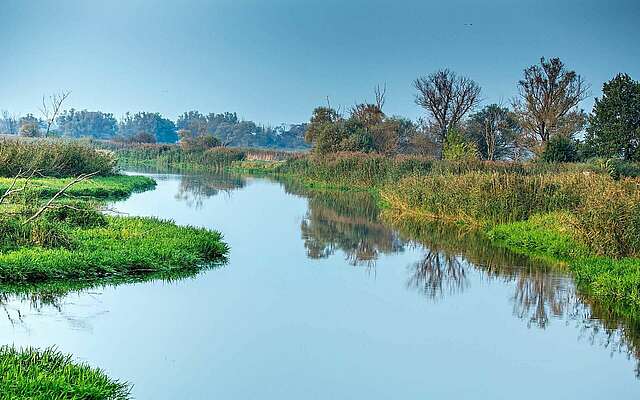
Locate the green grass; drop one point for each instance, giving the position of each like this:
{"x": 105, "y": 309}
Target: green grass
{"x": 125, "y": 246}
{"x": 101, "y": 187}
{"x": 50, "y": 375}
{"x": 613, "y": 282}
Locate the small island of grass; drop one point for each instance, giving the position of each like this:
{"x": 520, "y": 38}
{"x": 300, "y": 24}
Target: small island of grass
{"x": 50, "y": 375}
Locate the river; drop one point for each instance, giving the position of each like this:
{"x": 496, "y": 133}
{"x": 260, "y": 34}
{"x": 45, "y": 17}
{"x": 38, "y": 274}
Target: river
{"x": 322, "y": 300}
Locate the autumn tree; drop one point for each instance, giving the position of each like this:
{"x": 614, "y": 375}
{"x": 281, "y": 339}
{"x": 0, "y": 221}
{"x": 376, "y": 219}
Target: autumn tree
{"x": 548, "y": 97}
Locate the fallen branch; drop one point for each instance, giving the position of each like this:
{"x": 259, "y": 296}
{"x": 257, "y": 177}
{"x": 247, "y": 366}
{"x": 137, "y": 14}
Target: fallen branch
{"x": 49, "y": 203}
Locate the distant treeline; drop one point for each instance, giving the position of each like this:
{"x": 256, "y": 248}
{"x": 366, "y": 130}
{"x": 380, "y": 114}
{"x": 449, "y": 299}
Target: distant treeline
{"x": 150, "y": 127}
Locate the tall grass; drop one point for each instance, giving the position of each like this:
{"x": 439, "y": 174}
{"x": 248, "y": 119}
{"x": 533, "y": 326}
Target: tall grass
{"x": 50, "y": 375}
{"x": 371, "y": 169}
{"x": 55, "y": 158}
{"x": 606, "y": 212}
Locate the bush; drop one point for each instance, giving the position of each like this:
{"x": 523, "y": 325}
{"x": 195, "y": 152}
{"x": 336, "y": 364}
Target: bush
{"x": 457, "y": 149}
{"x": 560, "y": 148}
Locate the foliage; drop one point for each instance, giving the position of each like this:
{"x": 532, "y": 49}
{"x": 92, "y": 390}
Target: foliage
{"x": 189, "y": 142}
{"x": 164, "y": 130}
{"x": 142, "y": 137}
{"x": 496, "y": 132}
{"x": 614, "y": 124}
{"x": 53, "y": 158}
{"x": 456, "y": 148}
{"x": 231, "y": 131}
{"x": 83, "y": 123}
{"x": 560, "y": 148}
{"x": 8, "y": 123}
{"x": 50, "y": 375}
{"x": 367, "y": 129}
{"x": 447, "y": 98}
{"x": 163, "y": 155}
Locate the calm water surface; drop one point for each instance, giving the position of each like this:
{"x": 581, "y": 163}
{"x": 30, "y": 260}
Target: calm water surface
{"x": 320, "y": 300}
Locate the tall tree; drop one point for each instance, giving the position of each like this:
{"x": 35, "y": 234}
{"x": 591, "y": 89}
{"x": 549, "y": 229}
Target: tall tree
{"x": 447, "y": 98}
{"x": 547, "y": 101}
{"x": 495, "y": 130}
{"x": 74, "y": 123}
{"x": 163, "y": 129}
{"x": 614, "y": 124}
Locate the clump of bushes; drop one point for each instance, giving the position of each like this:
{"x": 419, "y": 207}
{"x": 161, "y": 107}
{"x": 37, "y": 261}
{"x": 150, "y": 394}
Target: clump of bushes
{"x": 53, "y": 158}
{"x": 48, "y": 374}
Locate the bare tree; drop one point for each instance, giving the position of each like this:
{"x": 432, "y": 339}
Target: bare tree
{"x": 9, "y": 123}
{"x": 380, "y": 95}
{"x": 51, "y": 108}
{"x": 447, "y": 98}
{"x": 548, "y": 97}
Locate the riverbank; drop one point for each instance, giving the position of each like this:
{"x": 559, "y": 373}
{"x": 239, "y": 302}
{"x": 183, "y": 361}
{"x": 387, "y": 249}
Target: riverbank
{"x": 576, "y": 215}
{"x": 585, "y": 216}
{"x": 49, "y": 374}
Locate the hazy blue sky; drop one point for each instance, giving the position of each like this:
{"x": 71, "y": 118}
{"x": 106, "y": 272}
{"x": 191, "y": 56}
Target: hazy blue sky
{"x": 273, "y": 61}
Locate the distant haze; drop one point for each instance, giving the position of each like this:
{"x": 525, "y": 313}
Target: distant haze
{"x": 274, "y": 61}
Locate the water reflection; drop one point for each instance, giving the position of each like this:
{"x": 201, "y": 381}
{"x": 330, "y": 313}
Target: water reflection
{"x": 351, "y": 223}
{"x": 18, "y": 301}
{"x": 194, "y": 189}
{"x": 438, "y": 274}
{"x": 345, "y": 221}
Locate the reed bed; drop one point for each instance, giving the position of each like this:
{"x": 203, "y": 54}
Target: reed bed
{"x": 54, "y": 158}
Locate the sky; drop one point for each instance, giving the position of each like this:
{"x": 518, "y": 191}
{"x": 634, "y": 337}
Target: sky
{"x": 274, "y": 61}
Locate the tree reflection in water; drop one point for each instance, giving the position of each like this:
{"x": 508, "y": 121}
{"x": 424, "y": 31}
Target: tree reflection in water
{"x": 438, "y": 274}
{"x": 194, "y": 189}
{"x": 344, "y": 221}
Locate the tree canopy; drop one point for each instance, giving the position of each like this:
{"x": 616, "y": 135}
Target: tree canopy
{"x": 614, "y": 125}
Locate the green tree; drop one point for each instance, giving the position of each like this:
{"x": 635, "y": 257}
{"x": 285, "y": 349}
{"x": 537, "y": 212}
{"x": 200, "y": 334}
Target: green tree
{"x": 80, "y": 123}
{"x": 614, "y": 124}
{"x": 495, "y": 130}
{"x": 163, "y": 129}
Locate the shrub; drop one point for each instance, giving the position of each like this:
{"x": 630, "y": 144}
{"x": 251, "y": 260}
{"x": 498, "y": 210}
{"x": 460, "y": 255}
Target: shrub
{"x": 560, "y": 148}
{"x": 457, "y": 149}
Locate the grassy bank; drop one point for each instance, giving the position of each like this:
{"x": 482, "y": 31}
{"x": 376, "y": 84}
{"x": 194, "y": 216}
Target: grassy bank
{"x": 584, "y": 216}
{"x": 117, "y": 246}
{"x": 101, "y": 187}
{"x": 51, "y": 375}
